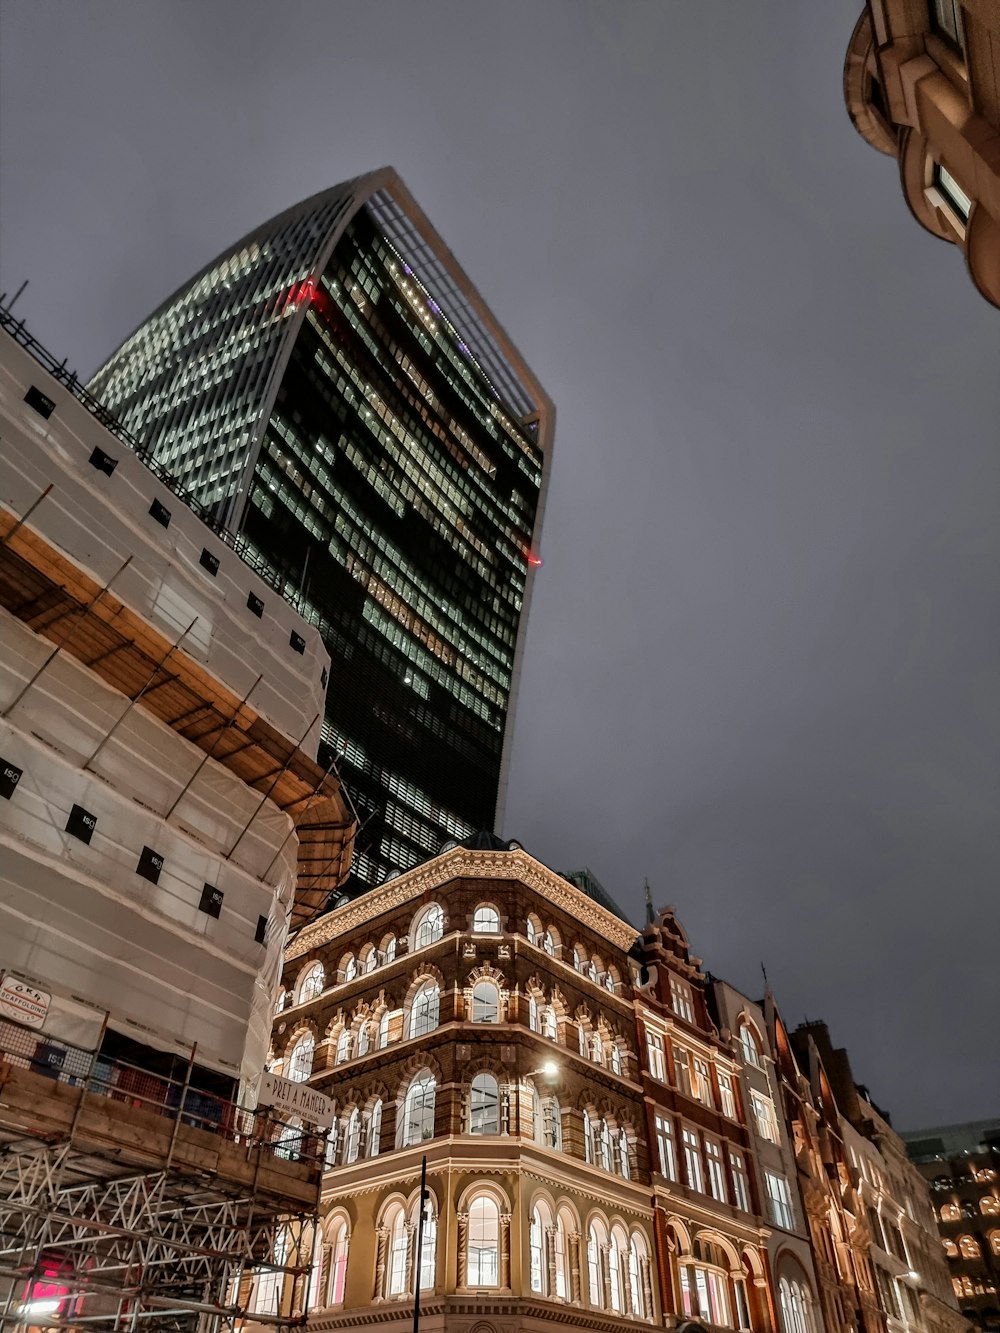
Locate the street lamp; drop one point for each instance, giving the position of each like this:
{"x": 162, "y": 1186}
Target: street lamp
{"x": 549, "y": 1069}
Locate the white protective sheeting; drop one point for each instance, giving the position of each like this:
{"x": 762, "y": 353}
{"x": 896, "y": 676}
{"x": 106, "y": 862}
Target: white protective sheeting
{"x": 79, "y": 920}
{"x": 99, "y": 520}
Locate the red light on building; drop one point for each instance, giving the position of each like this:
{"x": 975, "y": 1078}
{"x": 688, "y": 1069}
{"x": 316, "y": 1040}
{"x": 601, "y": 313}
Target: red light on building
{"x": 535, "y": 561}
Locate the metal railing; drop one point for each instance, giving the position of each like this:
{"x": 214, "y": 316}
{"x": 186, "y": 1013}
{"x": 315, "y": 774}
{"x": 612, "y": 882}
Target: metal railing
{"x": 71, "y": 381}
{"x": 148, "y": 1090}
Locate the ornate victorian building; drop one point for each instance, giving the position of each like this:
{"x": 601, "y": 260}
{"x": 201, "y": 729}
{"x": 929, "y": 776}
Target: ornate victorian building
{"x": 476, "y": 1014}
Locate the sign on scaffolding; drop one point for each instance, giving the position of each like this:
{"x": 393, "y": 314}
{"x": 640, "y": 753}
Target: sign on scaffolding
{"x": 296, "y": 1098}
{"x": 23, "y": 1003}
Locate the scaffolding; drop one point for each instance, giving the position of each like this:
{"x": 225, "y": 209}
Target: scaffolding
{"x": 134, "y": 1201}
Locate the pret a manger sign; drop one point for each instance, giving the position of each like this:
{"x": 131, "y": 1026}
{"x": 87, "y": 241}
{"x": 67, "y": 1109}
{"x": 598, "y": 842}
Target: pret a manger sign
{"x": 296, "y": 1098}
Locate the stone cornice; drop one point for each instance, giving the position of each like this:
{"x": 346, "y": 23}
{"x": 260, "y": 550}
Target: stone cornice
{"x": 462, "y": 863}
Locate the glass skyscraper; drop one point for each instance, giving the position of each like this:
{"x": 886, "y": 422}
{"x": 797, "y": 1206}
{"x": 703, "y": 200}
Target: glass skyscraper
{"x": 338, "y": 396}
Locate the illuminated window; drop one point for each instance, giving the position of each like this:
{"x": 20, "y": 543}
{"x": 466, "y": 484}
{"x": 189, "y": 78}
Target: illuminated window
{"x": 300, "y": 1060}
{"x": 399, "y": 1248}
{"x": 741, "y": 1185}
{"x": 483, "y": 1269}
{"x": 484, "y": 1105}
{"x": 338, "y": 1264}
{"x": 795, "y": 1302}
{"x": 656, "y": 1056}
{"x": 750, "y": 1046}
{"x": 352, "y": 1137}
{"x": 692, "y": 1160}
{"x": 665, "y": 1147}
{"x": 428, "y": 926}
{"x": 312, "y": 983}
{"x": 779, "y": 1200}
{"x": 968, "y": 1247}
{"x": 374, "y": 1136}
{"x": 486, "y": 920}
{"x": 764, "y": 1118}
{"x": 424, "y": 1010}
{"x": 727, "y": 1096}
{"x": 716, "y": 1174}
{"x": 418, "y": 1110}
{"x": 680, "y": 999}
{"x": 485, "y": 1003}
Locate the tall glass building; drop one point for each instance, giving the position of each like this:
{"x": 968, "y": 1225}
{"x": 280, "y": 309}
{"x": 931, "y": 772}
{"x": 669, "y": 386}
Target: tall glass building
{"x": 336, "y": 393}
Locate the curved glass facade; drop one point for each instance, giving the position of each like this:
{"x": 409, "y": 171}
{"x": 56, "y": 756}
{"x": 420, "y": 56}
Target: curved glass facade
{"x": 329, "y": 388}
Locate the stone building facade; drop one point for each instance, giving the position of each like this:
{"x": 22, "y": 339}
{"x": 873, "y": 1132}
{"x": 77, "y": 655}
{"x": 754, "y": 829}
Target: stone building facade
{"x": 889, "y": 1202}
{"x": 476, "y": 1013}
{"x": 789, "y": 1250}
{"x": 922, "y": 84}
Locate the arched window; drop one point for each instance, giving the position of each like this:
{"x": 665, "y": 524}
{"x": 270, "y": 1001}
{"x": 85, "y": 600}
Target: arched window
{"x": 418, "y": 1110}
{"x": 533, "y": 1019}
{"x": 424, "y": 1009}
{"x": 636, "y": 1286}
{"x": 330, "y": 1153}
{"x": 548, "y": 943}
{"x": 352, "y": 1136}
{"x": 364, "y": 1039}
{"x": 595, "y": 1277}
{"x": 533, "y": 929}
{"x": 950, "y": 1249}
{"x": 389, "y": 949}
{"x": 705, "y": 1285}
{"x": 484, "y": 1242}
{"x": 312, "y": 983}
{"x": 582, "y": 1039}
{"x": 428, "y": 927}
{"x": 428, "y": 1248}
{"x": 795, "y": 1301}
{"x": 486, "y": 920}
{"x": 344, "y": 1046}
{"x": 484, "y": 1105}
{"x": 951, "y": 1213}
{"x": 579, "y": 960}
{"x": 968, "y": 1247}
{"x": 550, "y": 1027}
{"x": 609, "y": 982}
{"x": 596, "y": 1048}
{"x": 350, "y": 968}
{"x": 564, "y": 1226}
{"x": 340, "y": 1241}
{"x": 617, "y": 1252}
{"x": 995, "y": 1241}
{"x": 369, "y": 958}
{"x": 375, "y": 1128}
{"x": 536, "y": 1250}
{"x": 280, "y": 1002}
{"x": 399, "y": 1245}
{"x": 485, "y": 1003}
{"x": 989, "y": 1205}
{"x": 593, "y": 971}
{"x": 616, "y": 1058}
{"x": 383, "y": 1030}
{"x": 750, "y": 1046}
{"x": 300, "y": 1059}
{"x": 588, "y": 1138}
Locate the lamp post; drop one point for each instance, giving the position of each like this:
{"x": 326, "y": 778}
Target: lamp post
{"x": 420, "y": 1242}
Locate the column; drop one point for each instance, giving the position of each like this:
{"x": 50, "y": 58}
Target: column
{"x": 574, "y": 1267}
{"x": 383, "y": 1244}
{"x": 646, "y": 1277}
{"x": 411, "y": 1246}
{"x": 505, "y": 1251}
{"x": 605, "y": 1261}
{"x": 463, "y": 1252}
{"x": 550, "y": 1261}
{"x": 624, "y": 1279}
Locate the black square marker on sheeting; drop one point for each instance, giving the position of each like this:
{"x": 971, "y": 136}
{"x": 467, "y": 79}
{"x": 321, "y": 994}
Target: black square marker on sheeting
{"x": 81, "y": 823}
{"x": 297, "y": 642}
{"x": 261, "y": 929}
{"x": 42, "y": 403}
{"x": 160, "y": 512}
{"x": 150, "y": 865}
{"x": 103, "y": 462}
{"x": 211, "y": 900}
{"x": 256, "y": 605}
{"x": 209, "y": 561}
{"x": 10, "y": 776}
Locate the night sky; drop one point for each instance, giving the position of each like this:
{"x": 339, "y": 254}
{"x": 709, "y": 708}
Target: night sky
{"x": 762, "y": 663}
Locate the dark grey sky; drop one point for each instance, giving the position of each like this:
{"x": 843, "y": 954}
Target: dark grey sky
{"x": 762, "y": 661}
